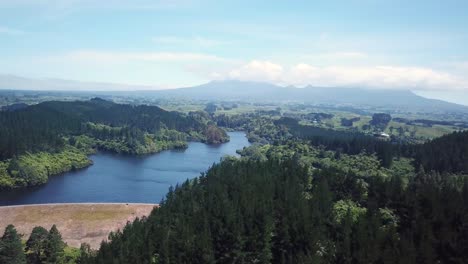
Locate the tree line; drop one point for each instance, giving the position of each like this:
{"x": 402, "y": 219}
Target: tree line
{"x": 42, "y": 246}
{"x": 42, "y": 127}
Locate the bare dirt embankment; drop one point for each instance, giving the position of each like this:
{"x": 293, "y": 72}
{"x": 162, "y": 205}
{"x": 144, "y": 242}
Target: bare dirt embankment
{"x": 78, "y": 223}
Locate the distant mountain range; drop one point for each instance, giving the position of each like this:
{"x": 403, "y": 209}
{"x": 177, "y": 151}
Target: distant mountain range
{"x": 399, "y": 100}
{"x": 403, "y": 100}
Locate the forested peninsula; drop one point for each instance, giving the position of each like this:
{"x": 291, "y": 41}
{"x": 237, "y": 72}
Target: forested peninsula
{"x": 55, "y": 137}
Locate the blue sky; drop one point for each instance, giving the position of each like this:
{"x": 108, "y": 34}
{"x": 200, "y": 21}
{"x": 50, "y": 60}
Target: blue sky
{"x": 418, "y": 45}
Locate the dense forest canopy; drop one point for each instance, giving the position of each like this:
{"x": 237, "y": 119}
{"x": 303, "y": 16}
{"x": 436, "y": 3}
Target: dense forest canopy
{"x": 343, "y": 141}
{"x": 244, "y": 211}
{"x": 42, "y": 126}
{"x": 146, "y": 118}
{"x": 445, "y": 154}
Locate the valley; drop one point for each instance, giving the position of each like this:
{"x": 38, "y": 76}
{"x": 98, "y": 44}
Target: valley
{"x": 233, "y": 132}
{"x": 296, "y": 178}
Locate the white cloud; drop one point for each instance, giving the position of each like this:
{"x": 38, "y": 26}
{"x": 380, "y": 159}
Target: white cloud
{"x": 388, "y": 77}
{"x": 258, "y": 70}
{"x": 10, "y": 31}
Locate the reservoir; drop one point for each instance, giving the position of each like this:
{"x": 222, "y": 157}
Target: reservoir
{"x": 128, "y": 179}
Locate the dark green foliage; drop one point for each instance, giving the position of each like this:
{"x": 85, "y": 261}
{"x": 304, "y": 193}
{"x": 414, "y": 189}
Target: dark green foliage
{"x": 342, "y": 141}
{"x": 233, "y": 122}
{"x": 35, "y": 128}
{"x": 318, "y": 116}
{"x": 13, "y": 107}
{"x": 54, "y": 246}
{"x": 143, "y": 117}
{"x": 42, "y": 247}
{"x": 36, "y": 244}
{"x": 244, "y": 211}
{"x": 349, "y": 122}
{"x": 86, "y": 254}
{"x": 380, "y": 120}
{"x": 42, "y": 127}
{"x": 35, "y": 169}
{"x": 445, "y": 154}
{"x": 215, "y": 135}
{"x": 211, "y": 108}
{"x": 11, "y": 249}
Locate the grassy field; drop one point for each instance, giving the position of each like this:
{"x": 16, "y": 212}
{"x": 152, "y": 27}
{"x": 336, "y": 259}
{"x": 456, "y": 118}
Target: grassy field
{"x": 78, "y": 223}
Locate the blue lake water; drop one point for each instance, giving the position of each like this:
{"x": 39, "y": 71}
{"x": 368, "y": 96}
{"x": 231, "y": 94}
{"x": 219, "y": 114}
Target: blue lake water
{"x": 128, "y": 179}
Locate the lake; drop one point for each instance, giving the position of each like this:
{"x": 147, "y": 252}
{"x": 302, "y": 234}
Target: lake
{"x": 128, "y": 179}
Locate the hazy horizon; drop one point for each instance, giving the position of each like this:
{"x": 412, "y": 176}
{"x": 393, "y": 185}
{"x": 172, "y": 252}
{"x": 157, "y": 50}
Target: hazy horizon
{"x": 419, "y": 45}
{"x": 12, "y": 82}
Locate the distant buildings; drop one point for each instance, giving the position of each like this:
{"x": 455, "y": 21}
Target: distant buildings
{"x": 382, "y": 135}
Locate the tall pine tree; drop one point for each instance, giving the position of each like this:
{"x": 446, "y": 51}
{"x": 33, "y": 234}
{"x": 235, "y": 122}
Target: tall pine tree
{"x": 36, "y": 244}
{"x": 54, "y": 247}
{"x": 11, "y": 249}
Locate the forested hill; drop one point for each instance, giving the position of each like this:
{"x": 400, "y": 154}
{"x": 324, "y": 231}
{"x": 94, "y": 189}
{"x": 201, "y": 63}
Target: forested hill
{"x": 148, "y": 118}
{"x": 32, "y": 129}
{"x": 343, "y": 141}
{"x": 42, "y": 127}
{"x": 448, "y": 153}
{"x": 280, "y": 212}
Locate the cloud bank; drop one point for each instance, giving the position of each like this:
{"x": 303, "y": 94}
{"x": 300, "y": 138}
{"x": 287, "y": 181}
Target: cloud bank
{"x": 385, "y": 77}
{"x": 195, "y": 68}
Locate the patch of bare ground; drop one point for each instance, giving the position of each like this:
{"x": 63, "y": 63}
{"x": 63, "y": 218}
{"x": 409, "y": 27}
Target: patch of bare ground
{"x": 78, "y": 223}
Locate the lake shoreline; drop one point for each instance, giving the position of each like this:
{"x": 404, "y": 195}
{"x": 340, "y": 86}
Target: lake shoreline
{"x": 85, "y": 203}
{"x": 120, "y": 178}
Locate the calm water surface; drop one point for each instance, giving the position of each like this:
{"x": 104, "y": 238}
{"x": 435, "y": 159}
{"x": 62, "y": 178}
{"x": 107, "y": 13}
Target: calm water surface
{"x": 118, "y": 178}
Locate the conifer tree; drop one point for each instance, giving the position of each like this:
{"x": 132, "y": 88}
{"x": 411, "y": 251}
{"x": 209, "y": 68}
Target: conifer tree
{"x": 85, "y": 254}
{"x": 54, "y": 246}
{"x": 36, "y": 244}
{"x": 11, "y": 249}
